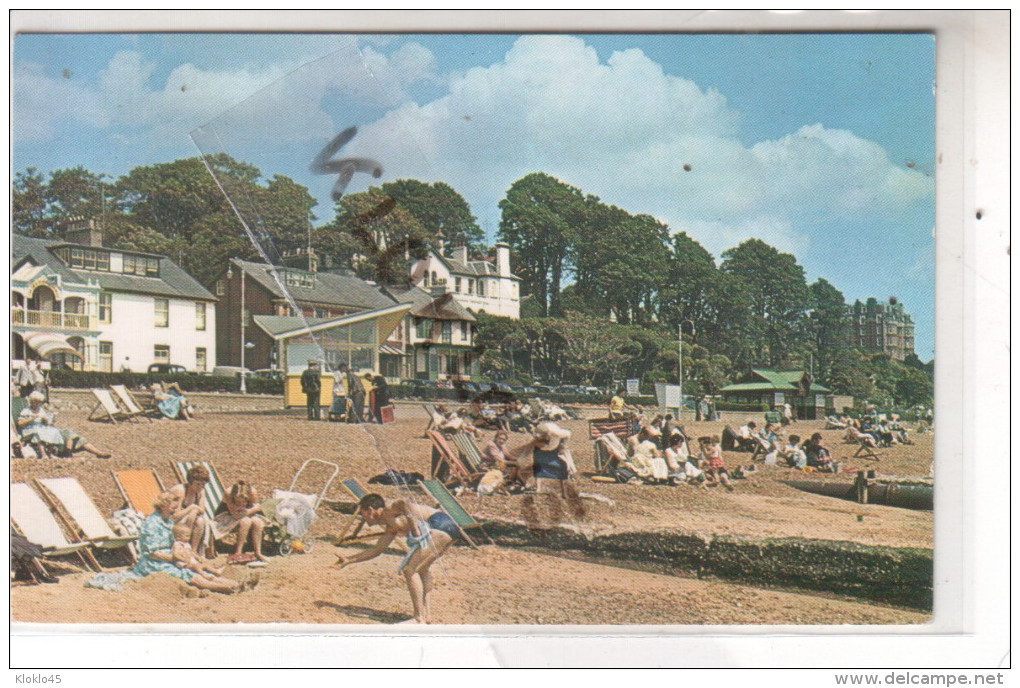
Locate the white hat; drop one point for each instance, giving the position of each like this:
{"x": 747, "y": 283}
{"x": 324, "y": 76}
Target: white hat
{"x": 552, "y": 431}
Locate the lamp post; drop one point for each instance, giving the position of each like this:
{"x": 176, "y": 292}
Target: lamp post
{"x": 680, "y": 361}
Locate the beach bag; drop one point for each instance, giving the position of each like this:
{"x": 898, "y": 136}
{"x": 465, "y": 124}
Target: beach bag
{"x": 386, "y": 414}
{"x": 623, "y": 474}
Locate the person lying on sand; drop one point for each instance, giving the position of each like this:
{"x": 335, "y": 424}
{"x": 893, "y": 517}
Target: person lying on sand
{"x": 429, "y": 532}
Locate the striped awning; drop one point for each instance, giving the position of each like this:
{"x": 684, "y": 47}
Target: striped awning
{"x": 392, "y": 351}
{"x": 46, "y": 344}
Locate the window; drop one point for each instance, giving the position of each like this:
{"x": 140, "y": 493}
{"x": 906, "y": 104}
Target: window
{"x": 456, "y": 284}
{"x": 298, "y": 279}
{"x": 221, "y": 287}
{"x": 141, "y": 266}
{"x": 481, "y": 287}
{"x": 463, "y": 332}
{"x": 106, "y": 357}
{"x": 162, "y": 312}
{"x": 161, "y": 353}
{"x": 447, "y": 332}
{"x": 200, "y": 359}
{"x": 423, "y": 328}
{"x": 471, "y": 286}
{"x": 199, "y": 316}
{"x": 105, "y": 307}
{"x": 321, "y": 313}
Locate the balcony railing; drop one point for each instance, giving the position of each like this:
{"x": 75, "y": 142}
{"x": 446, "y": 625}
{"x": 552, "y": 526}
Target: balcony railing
{"x": 57, "y": 319}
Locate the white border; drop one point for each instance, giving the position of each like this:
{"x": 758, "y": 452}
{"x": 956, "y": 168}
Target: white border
{"x": 972, "y": 569}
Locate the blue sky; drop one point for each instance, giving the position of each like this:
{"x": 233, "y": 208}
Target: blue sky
{"x": 820, "y": 144}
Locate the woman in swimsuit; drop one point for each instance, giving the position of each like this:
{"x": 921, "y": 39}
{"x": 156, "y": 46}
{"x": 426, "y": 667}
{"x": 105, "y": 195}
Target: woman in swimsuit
{"x": 429, "y": 532}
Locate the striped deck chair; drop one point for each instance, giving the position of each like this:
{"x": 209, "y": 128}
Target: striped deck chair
{"x": 621, "y": 427}
{"x": 213, "y": 489}
{"x": 107, "y": 408}
{"x": 139, "y": 488}
{"x": 32, "y": 518}
{"x": 469, "y": 452}
{"x": 357, "y": 489}
{"x": 447, "y": 464}
{"x": 128, "y": 401}
{"x": 448, "y": 503}
{"x": 609, "y": 451}
{"x": 79, "y": 514}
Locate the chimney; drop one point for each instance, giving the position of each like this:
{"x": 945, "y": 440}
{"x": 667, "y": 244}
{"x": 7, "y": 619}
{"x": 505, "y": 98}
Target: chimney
{"x": 440, "y": 244}
{"x": 503, "y": 258}
{"x": 78, "y": 230}
{"x": 460, "y": 253}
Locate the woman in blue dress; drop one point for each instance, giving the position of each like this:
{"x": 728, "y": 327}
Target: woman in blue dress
{"x": 547, "y": 458}
{"x": 170, "y": 402}
{"x": 35, "y": 425}
{"x": 155, "y": 545}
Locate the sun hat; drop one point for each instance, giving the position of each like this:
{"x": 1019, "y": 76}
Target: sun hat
{"x": 553, "y": 432}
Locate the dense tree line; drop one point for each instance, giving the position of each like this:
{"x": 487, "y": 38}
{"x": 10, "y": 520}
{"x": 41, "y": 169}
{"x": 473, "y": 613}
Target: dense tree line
{"x": 606, "y": 292}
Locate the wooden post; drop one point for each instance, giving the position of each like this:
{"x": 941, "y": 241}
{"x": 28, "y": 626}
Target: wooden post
{"x": 862, "y": 486}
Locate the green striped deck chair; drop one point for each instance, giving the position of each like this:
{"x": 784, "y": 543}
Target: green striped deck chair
{"x": 79, "y": 514}
{"x": 448, "y": 503}
{"x": 447, "y": 463}
{"x": 213, "y": 489}
{"x": 469, "y": 452}
{"x": 352, "y": 528}
{"x": 33, "y": 518}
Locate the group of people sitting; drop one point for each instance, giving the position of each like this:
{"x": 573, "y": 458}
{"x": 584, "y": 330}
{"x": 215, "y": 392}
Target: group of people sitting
{"x": 769, "y": 442}
{"x": 660, "y": 452}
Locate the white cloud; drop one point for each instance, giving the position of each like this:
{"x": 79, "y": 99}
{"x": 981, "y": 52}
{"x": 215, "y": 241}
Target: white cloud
{"x": 626, "y": 131}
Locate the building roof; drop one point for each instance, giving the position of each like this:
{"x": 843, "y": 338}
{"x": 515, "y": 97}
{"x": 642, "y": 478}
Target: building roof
{"x": 286, "y": 326}
{"x": 172, "y": 281}
{"x": 423, "y": 305}
{"x": 769, "y": 380}
{"x": 476, "y": 268}
{"x": 328, "y": 288}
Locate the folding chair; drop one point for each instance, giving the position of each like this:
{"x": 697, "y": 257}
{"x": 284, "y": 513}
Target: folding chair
{"x": 447, "y": 464}
{"x": 469, "y": 453}
{"x": 139, "y": 488}
{"x": 609, "y": 451}
{"x": 32, "y": 518}
{"x": 448, "y": 503}
{"x": 357, "y": 489}
{"x": 213, "y": 489}
{"x": 430, "y": 411}
{"x": 107, "y": 407}
{"x": 621, "y": 427}
{"x": 79, "y": 514}
{"x": 131, "y": 404}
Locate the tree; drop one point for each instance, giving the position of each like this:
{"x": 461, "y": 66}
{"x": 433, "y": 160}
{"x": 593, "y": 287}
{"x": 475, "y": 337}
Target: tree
{"x": 829, "y": 324}
{"x": 778, "y": 297}
{"x": 28, "y": 204}
{"x": 538, "y": 215}
{"x": 74, "y": 192}
{"x": 440, "y": 210}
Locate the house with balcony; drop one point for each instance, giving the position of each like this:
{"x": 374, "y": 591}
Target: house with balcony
{"x": 476, "y": 284}
{"x": 437, "y": 335}
{"x": 82, "y": 305}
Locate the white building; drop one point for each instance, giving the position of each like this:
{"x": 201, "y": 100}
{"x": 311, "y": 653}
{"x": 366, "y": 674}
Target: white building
{"x": 478, "y": 285}
{"x": 89, "y": 307}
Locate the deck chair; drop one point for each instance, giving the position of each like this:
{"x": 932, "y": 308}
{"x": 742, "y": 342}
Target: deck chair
{"x": 621, "y": 427}
{"x": 357, "y": 489}
{"x": 865, "y": 448}
{"x": 469, "y": 452}
{"x": 130, "y": 404}
{"x": 447, "y": 464}
{"x": 213, "y": 489}
{"x": 430, "y": 411}
{"x": 79, "y": 514}
{"x": 139, "y": 489}
{"x": 32, "y": 518}
{"x": 448, "y": 503}
{"x": 609, "y": 452}
{"x": 107, "y": 408}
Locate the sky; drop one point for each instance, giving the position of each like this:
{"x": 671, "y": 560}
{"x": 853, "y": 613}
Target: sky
{"x": 822, "y": 145}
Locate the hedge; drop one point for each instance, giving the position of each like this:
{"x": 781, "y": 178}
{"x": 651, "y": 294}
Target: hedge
{"x": 77, "y": 379}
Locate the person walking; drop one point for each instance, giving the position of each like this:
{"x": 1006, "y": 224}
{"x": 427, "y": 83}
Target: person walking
{"x": 311, "y": 385}
{"x": 356, "y": 393}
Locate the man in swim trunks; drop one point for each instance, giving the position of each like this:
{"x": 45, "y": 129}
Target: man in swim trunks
{"x": 429, "y": 532}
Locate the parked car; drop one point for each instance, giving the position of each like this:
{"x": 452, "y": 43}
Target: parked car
{"x": 419, "y": 387}
{"x": 166, "y": 369}
{"x": 496, "y": 392}
{"x": 231, "y": 371}
{"x": 267, "y": 374}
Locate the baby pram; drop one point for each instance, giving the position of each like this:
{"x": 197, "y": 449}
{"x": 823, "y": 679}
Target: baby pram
{"x": 291, "y": 513}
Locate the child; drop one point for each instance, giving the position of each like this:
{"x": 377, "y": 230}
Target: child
{"x": 714, "y": 467}
{"x": 185, "y": 557}
{"x": 793, "y": 454}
